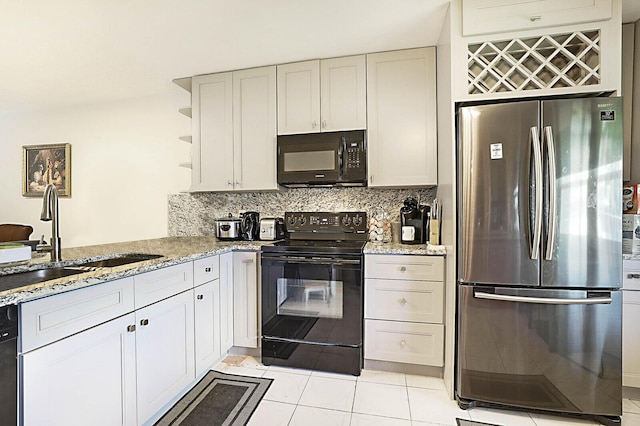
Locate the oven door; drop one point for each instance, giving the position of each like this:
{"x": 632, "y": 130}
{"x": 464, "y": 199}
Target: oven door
{"x": 312, "y": 311}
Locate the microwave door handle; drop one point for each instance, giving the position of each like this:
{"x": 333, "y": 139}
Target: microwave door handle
{"x": 343, "y": 143}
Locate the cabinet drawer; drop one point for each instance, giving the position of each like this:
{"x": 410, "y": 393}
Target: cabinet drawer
{"x": 52, "y": 318}
{"x": 407, "y": 342}
{"x": 402, "y": 267}
{"x": 206, "y": 269}
{"x": 418, "y": 301}
{"x": 153, "y": 286}
{"x": 631, "y": 274}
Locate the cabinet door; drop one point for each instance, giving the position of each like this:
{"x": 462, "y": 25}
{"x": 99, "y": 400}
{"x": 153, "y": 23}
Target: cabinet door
{"x": 164, "y": 352}
{"x": 491, "y": 16}
{"x": 226, "y": 302}
{"x": 299, "y": 97}
{"x": 245, "y": 300}
{"x": 207, "y": 325}
{"x": 630, "y": 341}
{"x": 212, "y": 132}
{"x": 401, "y": 118}
{"x": 343, "y": 98}
{"x": 254, "y": 118}
{"x": 86, "y": 379}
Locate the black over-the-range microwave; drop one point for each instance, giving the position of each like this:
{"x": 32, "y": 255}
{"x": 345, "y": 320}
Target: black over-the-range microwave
{"x": 322, "y": 159}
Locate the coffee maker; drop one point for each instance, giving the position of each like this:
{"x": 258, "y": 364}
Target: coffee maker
{"x": 250, "y": 225}
{"x": 414, "y": 219}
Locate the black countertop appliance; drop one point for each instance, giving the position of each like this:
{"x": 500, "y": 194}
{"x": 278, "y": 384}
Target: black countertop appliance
{"x": 250, "y": 226}
{"x": 414, "y": 219}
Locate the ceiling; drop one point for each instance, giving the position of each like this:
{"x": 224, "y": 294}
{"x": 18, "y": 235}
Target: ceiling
{"x": 70, "y": 52}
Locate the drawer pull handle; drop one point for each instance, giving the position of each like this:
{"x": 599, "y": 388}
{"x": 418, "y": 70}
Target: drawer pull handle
{"x": 403, "y": 268}
{"x": 131, "y": 328}
{"x": 199, "y": 297}
{"x": 144, "y": 322}
{"x": 633, "y": 276}
{"x": 402, "y": 301}
{"x": 207, "y": 269}
{"x": 402, "y": 343}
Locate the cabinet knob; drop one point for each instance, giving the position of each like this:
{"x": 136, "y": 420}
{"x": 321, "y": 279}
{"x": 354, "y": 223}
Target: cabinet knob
{"x": 402, "y": 301}
{"x": 314, "y": 124}
{"x": 371, "y": 178}
{"x": 237, "y": 183}
{"x": 207, "y": 269}
{"x": 402, "y": 343}
{"x": 229, "y": 183}
{"x": 144, "y": 322}
{"x": 131, "y": 328}
{"x": 200, "y": 297}
{"x": 633, "y": 276}
{"x": 535, "y": 18}
{"x": 324, "y": 123}
{"x": 247, "y": 260}
{"x": 403, "y": 268}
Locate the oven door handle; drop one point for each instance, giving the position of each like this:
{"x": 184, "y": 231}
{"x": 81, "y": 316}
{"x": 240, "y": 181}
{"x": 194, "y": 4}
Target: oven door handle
{"x": 312, "y": 260}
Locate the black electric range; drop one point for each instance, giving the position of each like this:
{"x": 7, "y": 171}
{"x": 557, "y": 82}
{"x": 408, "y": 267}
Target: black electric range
{"x": 312, "y": 293}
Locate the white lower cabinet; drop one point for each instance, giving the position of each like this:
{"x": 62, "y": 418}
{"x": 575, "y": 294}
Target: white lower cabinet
{"x": 226, "y": 302}
{"x": 164, "y": 352}
{"x": 245, "y": 299}
{"x": 82, "y": 366}
{"x": 86, "y": 379}
{"x": 404, "y": 309}
{"x": 630, "y": 319}
{"x": 630, "y": 341}
{"x": 207, "y": 325}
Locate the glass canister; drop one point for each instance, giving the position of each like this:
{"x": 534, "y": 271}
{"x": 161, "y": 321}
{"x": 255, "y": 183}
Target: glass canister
{"x": 379, "y": 226}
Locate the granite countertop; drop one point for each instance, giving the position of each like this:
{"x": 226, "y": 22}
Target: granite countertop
{"x": 626, "y": 256}
{"x": 173, "y": 249}
{"x": 398, "y": 248}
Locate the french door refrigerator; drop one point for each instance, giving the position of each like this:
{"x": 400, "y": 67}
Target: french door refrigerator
{"x": 540, "y": 256}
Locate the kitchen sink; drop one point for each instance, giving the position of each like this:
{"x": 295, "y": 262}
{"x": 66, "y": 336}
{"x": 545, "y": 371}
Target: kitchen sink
{"x": 118, "y": 260}
{"x": 21, "y": 279}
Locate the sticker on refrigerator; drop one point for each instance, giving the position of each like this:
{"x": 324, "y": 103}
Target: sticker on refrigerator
{"x": 496, "y": 151}
{"x": 607, "y": 115}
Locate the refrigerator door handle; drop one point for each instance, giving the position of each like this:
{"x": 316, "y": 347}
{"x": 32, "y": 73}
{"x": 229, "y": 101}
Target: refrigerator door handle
{"x": 544, "y": 300}
{"x": 551, "y": 235}
{"x": 537, "y": 163}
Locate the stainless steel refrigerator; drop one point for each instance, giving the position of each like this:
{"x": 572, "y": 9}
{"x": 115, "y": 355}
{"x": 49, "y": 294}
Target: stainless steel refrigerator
{"x": 540, "y": 256}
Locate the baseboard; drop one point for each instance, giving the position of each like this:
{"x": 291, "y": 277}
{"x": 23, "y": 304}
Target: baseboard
{"x": 631, "y": 393}
{"x": 397, "y": 367}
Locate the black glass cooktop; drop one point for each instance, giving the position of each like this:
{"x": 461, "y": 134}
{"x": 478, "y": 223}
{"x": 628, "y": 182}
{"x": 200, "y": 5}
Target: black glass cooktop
{"x": 315, "y": 246}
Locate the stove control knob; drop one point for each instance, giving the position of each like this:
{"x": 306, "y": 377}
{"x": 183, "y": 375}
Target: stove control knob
{"x": 292, "y": 220}
{"x": 357, "y": 220}
{"x": 346, "y": 221}
{"x": 302, "y": 220}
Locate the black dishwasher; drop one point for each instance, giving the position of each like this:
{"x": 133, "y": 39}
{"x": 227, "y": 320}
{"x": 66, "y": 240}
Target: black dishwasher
{"x": 9, "y": 364}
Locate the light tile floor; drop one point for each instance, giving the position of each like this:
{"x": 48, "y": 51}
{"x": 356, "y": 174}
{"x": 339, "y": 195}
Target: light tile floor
{"x": 375, "y": 398}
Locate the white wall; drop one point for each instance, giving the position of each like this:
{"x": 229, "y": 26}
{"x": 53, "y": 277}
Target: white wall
{"x": 124, "y": 164}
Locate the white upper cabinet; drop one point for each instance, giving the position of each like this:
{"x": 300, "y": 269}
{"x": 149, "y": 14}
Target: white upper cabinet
{"x": 343, "y": 99}
{"x": 299, "y": 97}
{"x": 322, "y": 95}
{"x": 234, "y": 130}
{"x": 254, "y": 129}
{"x": 212, "y": 138}
{"x": 401, "y": 123}
{"x": 496, "y": 16}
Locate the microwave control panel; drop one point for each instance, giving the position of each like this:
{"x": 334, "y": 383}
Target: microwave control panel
{"x": 355, "y": 154}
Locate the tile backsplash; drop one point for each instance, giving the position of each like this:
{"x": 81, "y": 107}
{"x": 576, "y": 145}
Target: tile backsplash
{"x": 193, "y": 214}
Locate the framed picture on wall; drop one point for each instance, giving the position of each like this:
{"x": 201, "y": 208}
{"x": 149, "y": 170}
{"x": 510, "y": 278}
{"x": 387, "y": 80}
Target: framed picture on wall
{"x": 45, "y": 164}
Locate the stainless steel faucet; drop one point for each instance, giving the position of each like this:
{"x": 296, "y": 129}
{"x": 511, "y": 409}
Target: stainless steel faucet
{"x": 50, "y": 213}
